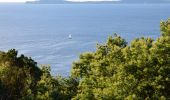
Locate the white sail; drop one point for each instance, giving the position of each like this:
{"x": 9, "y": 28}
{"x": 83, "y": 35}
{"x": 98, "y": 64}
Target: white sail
{"x": 70, "y": 37}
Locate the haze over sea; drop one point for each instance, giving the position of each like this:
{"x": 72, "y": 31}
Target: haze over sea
{"x": 41, "y": 30}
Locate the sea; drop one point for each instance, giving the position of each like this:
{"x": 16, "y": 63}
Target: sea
{"x": 56, "y": 34}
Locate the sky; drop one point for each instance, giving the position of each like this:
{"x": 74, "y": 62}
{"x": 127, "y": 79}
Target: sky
{"x": 15, "y": 0}
{"x": 66, "y": 0}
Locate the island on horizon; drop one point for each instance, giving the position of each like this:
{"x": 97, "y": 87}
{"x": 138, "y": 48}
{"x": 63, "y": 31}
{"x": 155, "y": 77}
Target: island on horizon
{"x": 98, "y": 2}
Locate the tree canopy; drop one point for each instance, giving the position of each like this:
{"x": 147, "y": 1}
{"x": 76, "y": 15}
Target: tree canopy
{"x": 117, "y": 70}
{"x": 22, "y": 79}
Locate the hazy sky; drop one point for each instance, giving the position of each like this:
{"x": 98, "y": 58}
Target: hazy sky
{"x": 90, "y": 0}
{"x": 15, "y": 0}
{"x": 66, "y": 0}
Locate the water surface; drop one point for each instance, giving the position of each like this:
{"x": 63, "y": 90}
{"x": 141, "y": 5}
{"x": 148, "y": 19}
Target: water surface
{"x": 41, "y": 31}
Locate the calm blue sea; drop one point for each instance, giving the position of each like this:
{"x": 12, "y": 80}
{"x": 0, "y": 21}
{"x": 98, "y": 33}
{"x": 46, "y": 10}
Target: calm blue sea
{"x": 41, "y": 31}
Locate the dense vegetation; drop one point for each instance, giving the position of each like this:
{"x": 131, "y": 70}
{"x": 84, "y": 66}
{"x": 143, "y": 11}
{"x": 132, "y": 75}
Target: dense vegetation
{"x": 21, "y": 78}
{"x": 116, "y": 70}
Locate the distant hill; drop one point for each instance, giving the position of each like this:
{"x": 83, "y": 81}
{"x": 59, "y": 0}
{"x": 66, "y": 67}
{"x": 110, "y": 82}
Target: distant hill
{"x": 68, "y": 2}
{"x": 121, "y": 1}
{"x": 145, "y": 1}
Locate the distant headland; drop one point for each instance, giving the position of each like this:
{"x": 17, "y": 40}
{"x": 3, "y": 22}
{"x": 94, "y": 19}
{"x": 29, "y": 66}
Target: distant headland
{"x": 98, "y": 1}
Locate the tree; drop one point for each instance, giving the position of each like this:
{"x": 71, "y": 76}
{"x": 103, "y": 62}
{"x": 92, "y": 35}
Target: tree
{"x": 19, "y": 75}
{"x": 21, "y": 78}
{"x": 140, "y": 70}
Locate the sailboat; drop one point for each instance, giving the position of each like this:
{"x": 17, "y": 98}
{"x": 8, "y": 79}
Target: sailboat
{"x": 70, "y": 36}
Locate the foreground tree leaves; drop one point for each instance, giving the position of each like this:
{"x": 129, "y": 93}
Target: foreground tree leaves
{"x": 19, "y": 75}
{"x": 22, "y": 79}
{"x": 140, "y": 70}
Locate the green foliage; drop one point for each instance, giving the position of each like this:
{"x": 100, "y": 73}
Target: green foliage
{"x": 50, "y": 88}
{"x": 140, "y": 70}
{"x": 18, "y": 75}
{"x": 46, "y": 85}
{"x": 22, "y": 79}
{"x": 165, "y": 27}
